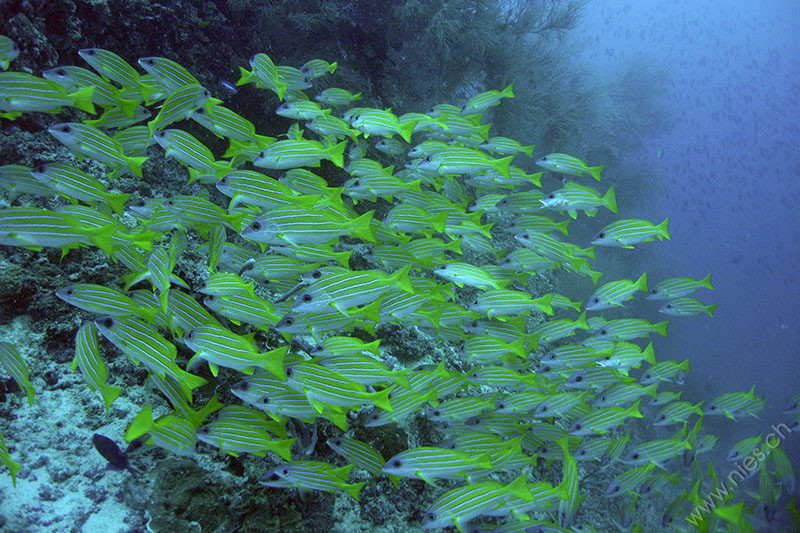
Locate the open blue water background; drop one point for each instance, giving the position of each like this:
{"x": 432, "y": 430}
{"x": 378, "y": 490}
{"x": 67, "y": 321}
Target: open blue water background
{"x": 731, "y": 173}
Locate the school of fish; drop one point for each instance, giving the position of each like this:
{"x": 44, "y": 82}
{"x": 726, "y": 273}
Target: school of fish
{"x": 449, "y": 237}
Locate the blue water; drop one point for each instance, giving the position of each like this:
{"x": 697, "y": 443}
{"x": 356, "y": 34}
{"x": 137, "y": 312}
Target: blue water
{"x": 731, "y": 170}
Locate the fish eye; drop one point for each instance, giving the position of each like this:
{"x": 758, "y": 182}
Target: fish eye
{"x": 61, "y": 72}
{"x": 66, "y": 129}
{"x": 669, "y": 306}
{"x": 68, "y": 292}
{"x": 603, "y": 331}
{"x": 289, "y": 321}
{"x": 150, "y": 61}
{"x": 544, "y": 158}
{"x": 653, "y": 291}
{"x": 307, "y": 298}
{"x": 436, "y": 412}
{"x": 91, "y": 52}
{"x": 525, "y": 235}
{"x": 595, "y": 299}
{"x": 338, "y": 442}
{"x": 601, "y": 234}
{"x": 551, "y": 196}
{"x": 206, "y": 94}
{"x": 543, "y": 408}
{"x": 578, "y": 379}
{"x": 289, "y": 372}
{"x": 356, "y": 183}
{"x": 316, "y": 274}
{"x": 635, "y": 456}
{"x": 647, "y": 375}
{"x": 712, "y": 408}
{"x": 265, "y": 399}
{"x": 615, "y": 488}
{"x": 430, "y": 516}
{"x": 256, "y": 226}
{"x": 578, "y": 426}
{"x": 108, "y": 322}
{"x": 397, "y": 463}
{"x": 500, "y": 405}
{"x": 427, "y": 159}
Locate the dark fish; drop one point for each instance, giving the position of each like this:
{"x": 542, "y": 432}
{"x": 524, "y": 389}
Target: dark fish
{"x": 117, "y": 459}
{"x": 228, "y": 88}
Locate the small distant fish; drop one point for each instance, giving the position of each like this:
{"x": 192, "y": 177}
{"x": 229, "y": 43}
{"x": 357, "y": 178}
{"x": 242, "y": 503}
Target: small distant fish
{"x": 567, "y": 164}
{"x": 9, "y": 51}
{"x": 678, "y": 287}
{"x": 626, "y": 233}
{"x": 228, "y": 88}
{"x": 483, "y": 101}
{"x": 12, "y": 363}
{"x": 687, "y": 307}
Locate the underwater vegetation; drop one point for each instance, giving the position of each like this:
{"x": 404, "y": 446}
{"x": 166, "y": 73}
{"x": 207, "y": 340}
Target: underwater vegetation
{"x": 356, "y": 304}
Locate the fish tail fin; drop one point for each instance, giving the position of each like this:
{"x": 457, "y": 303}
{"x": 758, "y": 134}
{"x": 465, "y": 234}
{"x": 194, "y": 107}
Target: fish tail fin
{"x": 484, "y": 230}
{"x": 595, "y": 171}
{"x": 361, "y": 227}
{"x": 710, "y": 309}
{"x": 508, "y": 92}
{"x": 142, "y": 424}
{"x": 116, "y": 201}
{"x": 82, "y": 99}
{"x": 135, "y": 164}
{"x": 406, "y": 129}
{"x": 610, "y": 200}
{"x": 581, "y": 321}
{"x": 353, "y": 489}
{"x": 641, "y": 283}
{"x": 633, "y": 410}
{"x": 127, "y": 106}
{"x": 401, "y": 281}
{"x": 279, "y": 89}
{"x": 501, "y": 165}
{"x": 244, "y": 76}
{"x": 283, "y": 448}
{"x": 381, "y": 399}
{"x": 272, "y": 362}
{"x": 101, "y": 237}
{"x": 13, "y": 468}
{"x": 336, "y": 154}
{"x": 109, "y": 394}
{"x": 661, "y": 328}
{"x": 662, "y": 230}
{"x": 543, "y": 304}
{"x": 649, "y": 354}
{"x": 706, "y": 282}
